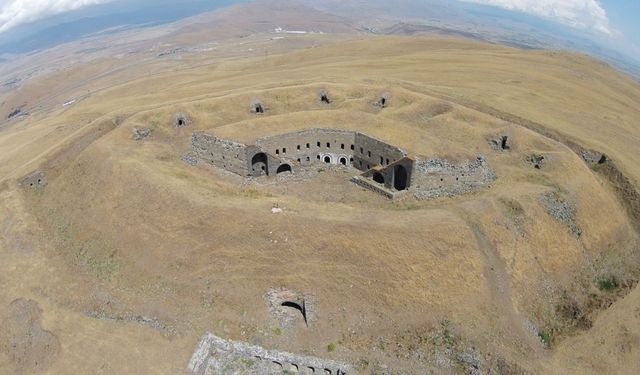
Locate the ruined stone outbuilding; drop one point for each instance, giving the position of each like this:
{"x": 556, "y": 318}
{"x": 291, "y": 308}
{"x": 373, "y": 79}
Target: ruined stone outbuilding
{"x": 35, "y": 180}
{"x": 214, "y": 355}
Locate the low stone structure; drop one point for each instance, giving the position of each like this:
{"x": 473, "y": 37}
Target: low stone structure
{"x": 593, "y": 157}
{"x": 501, "y": 143}
{"x": 216, "y": 356}
{"x": 257, "y": 107}
{"x": 289, "y": 306}
{"x": 324, "y": 97}
{"x": 383, "y": 100}
{"x": 35, "y": 180}
{"x": 181, "y": 120}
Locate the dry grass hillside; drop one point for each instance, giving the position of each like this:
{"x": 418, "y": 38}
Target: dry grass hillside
{"x": 129, "y": 254}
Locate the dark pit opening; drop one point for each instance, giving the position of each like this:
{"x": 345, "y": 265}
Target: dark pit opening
{"x": 504, "y": 143}
{"x": 400, "y": 178}
{"x": 284, "y": 168}
{"x": 301, "y": 308}
{"x": 603, "y": 159}
{"x": 260, "y": 162}
{"x": 378, "y": 177}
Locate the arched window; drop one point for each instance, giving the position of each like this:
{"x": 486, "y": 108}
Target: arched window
{"x": 260, "y": 164}
{"x": 284, "y": 168}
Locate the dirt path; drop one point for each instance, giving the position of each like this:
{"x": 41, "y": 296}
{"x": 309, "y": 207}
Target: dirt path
{"x": 499, "y": 281}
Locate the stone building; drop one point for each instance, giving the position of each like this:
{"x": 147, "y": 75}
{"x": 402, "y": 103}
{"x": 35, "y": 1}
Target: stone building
{"x": 385, "y": 168}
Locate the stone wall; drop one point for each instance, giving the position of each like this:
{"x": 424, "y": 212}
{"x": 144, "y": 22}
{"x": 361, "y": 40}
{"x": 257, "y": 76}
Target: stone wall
{"x": 370, "y": 152}
{"x": 333, "y": 146}
{"x": 396, "y": 176}
{"x": 222, "y": 153}
{"x": 314, "y": 144}
{"x": 215, "y": 355}
{"x": 434, "y": 178}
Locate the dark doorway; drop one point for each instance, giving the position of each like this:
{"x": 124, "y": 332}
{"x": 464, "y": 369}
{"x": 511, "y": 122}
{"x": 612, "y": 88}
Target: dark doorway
{"x": 300, "y": 307}
{"x": 284, "y": 168}
{"x": 343, "y": 161}
{"x": 504, "y": 143}
{"x": 378, "y": 177}
{"x": 400, "y": 178}
{"x": 327, "y": 159}
{"x": 260, "y": 164}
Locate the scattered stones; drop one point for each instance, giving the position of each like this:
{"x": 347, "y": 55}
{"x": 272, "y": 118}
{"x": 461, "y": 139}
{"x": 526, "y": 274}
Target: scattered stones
{"x": 214, "y": 355}
{"x": 138, "y": 319}
{"x": 140, "y": 133}
{"x": 35, "y": 180}
{"x": 594, "y": 157}
{"x": 537, "y": 161}
{"x": 277, "y": 210}
{"x": 172, "y": 51}
{"x": 471, "y": 359}
{"x": 29, "y": 347}
{"x": 561, "y": 210}
{"x": 191, "y": 158}
{"x": 15, "y": 113}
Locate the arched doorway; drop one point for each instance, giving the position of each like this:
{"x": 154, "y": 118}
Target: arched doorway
{"x": 343, "y": 160}
{"x": 327, "y": 159}
{"x": 284, "y": 168}
{"x": 378, "y": 177}
{"x": 400, "y": 178}
{"x": 260, "y": 164}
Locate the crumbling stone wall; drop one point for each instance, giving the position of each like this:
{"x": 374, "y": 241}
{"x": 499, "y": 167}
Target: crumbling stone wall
{"x": 214, "y": 355}
{"x": 434, "y": 178}
{"x": 222, "y": 153}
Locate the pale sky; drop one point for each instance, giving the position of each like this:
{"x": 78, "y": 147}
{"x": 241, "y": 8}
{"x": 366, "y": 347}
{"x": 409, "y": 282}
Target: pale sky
{"x": 618, "y": 20}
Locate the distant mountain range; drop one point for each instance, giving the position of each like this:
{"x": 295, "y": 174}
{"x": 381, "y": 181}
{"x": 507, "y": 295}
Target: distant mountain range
{"x": 110, "y": 17}
{"x": 398, "y": 17}
{"x": 491, "y": 24}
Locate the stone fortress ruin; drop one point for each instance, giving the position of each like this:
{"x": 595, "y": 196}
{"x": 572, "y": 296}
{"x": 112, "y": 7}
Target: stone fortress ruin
{"x": 380, "y": 167}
